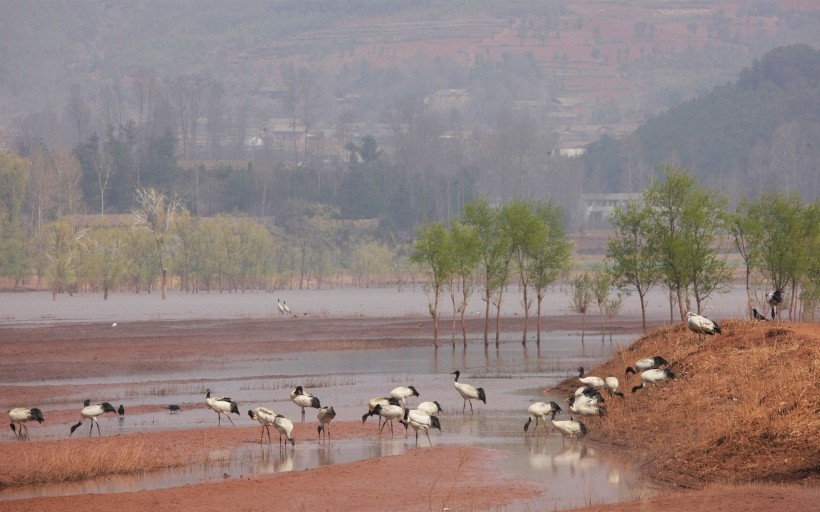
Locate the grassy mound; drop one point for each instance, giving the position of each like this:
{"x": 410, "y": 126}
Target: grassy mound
{"x": 745, "y": 406}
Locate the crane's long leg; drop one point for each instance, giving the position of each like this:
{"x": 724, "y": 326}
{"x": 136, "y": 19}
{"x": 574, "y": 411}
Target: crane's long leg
{"x": 218, "y": 419}
{"x": 428, "y": 437}
{"x": 229, "y": 419}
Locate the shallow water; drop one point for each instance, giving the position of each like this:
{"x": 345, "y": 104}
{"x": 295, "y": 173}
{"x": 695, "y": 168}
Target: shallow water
{"x": 513, "y": 377}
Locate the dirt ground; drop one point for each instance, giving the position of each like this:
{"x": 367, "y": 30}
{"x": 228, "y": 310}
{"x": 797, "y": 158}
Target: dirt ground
{"x": 437, "y": 478}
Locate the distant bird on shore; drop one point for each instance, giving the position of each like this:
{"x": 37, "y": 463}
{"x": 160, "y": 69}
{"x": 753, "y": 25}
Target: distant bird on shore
{"x": 92, "y": 412}
{"x": 569, "y": 428}
{"x": 647, "y": 363}
{"x": 590, "y": 380}
{"x": 221, "y": 405}
{"x": 19, "y": 416}
{"x": 757, "y": 316}
{"x": 402, "y": 393}
{"x": 701, "y": 325}
{"x": 286, "y": 308}
{"x": 325, "y": 416}
{"x": 653, "y": 377}
{"x": 121, "y": 412}
{"x": 468, "y": 392}
{"x": 304, "y": 399}
{"x": 280, "y": 307}
{"x": 586, "y": 406}
{"x": 540, "y": 411}
{"x": 774, "y": 299}
{"x": 174, "y": 408}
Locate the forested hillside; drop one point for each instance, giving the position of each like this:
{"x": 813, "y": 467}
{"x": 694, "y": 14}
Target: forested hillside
{"x": 758, "y": 134}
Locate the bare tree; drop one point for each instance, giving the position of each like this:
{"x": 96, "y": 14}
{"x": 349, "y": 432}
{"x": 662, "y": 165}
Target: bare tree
{"x": 158, "y": 214}
{"x": 68, "y": 174}
{"x": 78, "y": 112}
{"x": 103, "y": 167}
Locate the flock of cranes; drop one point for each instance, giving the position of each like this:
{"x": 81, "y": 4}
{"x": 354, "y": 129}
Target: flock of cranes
{"x": 585, "y": 401}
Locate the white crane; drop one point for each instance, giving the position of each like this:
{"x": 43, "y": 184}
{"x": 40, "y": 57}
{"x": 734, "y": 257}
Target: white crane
{"x": 431, "y": 408}
{"x": 221, "y": 405}
{"x": 286, "y": 308}
{"x": 569, "y": 428}
{"x": 647, "y": 363}
{"x": 590, "y": 380}
{"x": 266, "y": 417}
{"x": 325, "y": 416}
{"x": 586, "y": 406}
{"x": 303, "y": 399}
{"x": 774, "y": 299}
{"x": 468, "y": 392}
{"x": 92, "y": 412}
{"x": 612, "y": 386}
{"x": 389, "y": 413}
{"x": 653, "y": 377}
{"x": 280, "y": 307}
{"x": 20, "y": 416}
{"x": 402, "y": 393}
{"x": 701, "y": 325}
{"x": 284, "y": 426}
{"x": 378, "y": 400}
{"x": 540, "y": 410}
{"x": 420, "y": 420}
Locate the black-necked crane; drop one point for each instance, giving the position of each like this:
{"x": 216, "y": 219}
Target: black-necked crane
{"x": 569, "y": 428}
{"x": 653, "y": 377}
{"x": 284, "y": 426}
{"x": 173, "y": 408}
{"x": 540, "y": 411}
{"x": 647, "y": 363}
{"x": 266, "y": 418}
{"x": 468, "y": 392}
{"x": 20, "y": 416}
{"x": 590, "y": 380}
{"x": 757, "y": 316}
{"x": 774, "y": 299}
{"x": 420, "y": 420}
{"x": 304, "y": 399}
{"x": 589, "y": 392}
{"x": 586, "y": 406}
{"x": 402, "y": 393}
{"x": 221, "y": 405}
{"x": 612, "y": 386}
{"x": 389, "y": 412}
{"x": 431, "y": 408}
{"x": 280, "y": 307}
{"x": 92, "y": 412}
{"x": 325, "y": 416}
{"x": 286, "y": 308}
{"x": 701, "y": 325}
{"x": 378, "y": 400}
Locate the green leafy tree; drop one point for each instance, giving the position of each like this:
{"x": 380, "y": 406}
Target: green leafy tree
{"x": 550, "y": 257}
{"x": 582, "y": 298}
{"x": 14, "y": 175}
{"x": 104, "y": 261}
{"x": 600, "y": 285}
{"x": 527, "y": 233}
{"x": 433, "y": 253}
{"x": 494, "y": 245}
{"x": 686, "y": 220}
{"x": 64, "y": 248}
{"x": 466, "y": 256}
{"x": 745, "y": 228}
{"x": 631, "y": 253}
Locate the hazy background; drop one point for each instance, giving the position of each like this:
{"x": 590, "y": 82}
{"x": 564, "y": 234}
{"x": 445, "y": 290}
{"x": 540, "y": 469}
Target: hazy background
{"x": 402, "y": 111}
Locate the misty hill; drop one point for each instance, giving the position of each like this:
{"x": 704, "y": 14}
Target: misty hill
{"x": 759, "y": 133}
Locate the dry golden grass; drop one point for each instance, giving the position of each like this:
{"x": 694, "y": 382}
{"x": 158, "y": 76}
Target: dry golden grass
{"x": 79, "y": 460}
{"x": 745, "y": 406}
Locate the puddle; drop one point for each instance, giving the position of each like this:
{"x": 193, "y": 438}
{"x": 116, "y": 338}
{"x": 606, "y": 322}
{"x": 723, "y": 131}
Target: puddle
{"x": 513, "y": 376}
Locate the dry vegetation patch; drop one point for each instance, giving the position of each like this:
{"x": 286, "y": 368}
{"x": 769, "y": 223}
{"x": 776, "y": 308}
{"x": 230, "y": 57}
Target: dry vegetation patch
{"x": 745, "y": 406}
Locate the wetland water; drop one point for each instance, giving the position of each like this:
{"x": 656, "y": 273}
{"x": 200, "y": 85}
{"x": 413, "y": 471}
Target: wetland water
{"x": 513, "y": 376}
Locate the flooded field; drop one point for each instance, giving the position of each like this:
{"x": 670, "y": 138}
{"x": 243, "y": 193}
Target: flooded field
{"x": 512, "y": 375}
